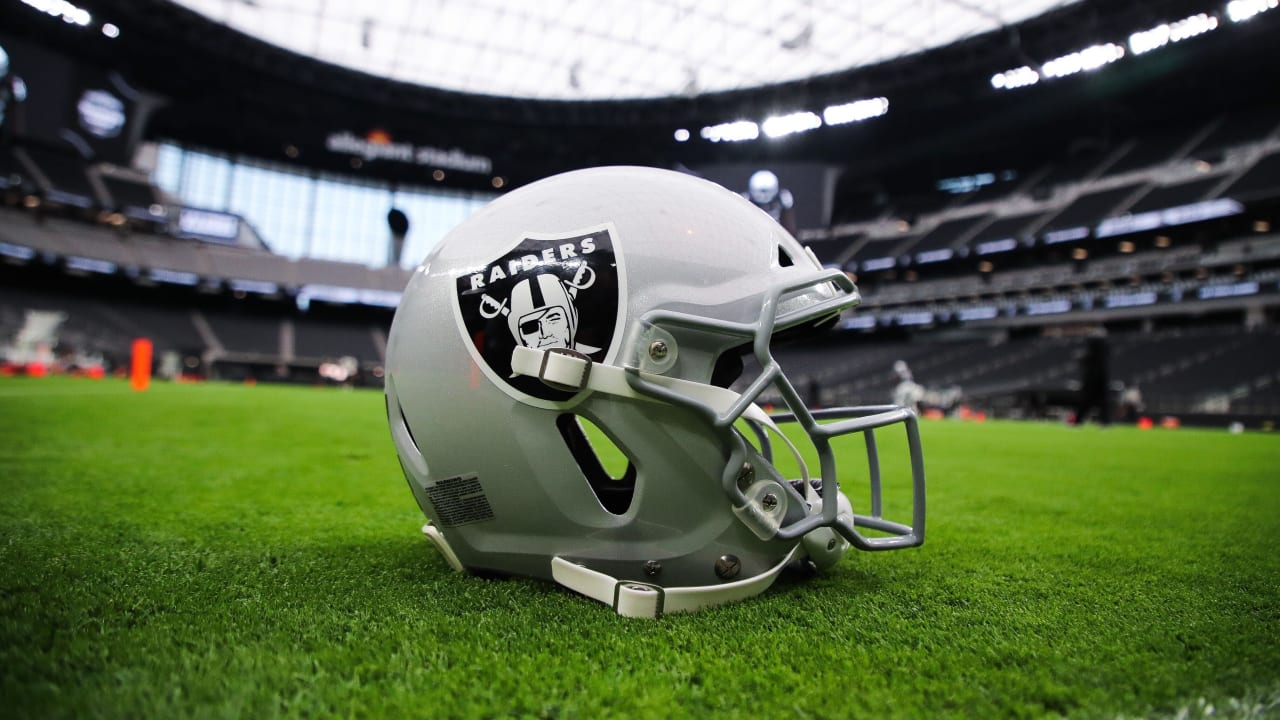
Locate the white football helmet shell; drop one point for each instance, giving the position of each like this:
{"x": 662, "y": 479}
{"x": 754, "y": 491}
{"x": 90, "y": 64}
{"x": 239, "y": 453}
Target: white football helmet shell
{"x": 671, "y": 278}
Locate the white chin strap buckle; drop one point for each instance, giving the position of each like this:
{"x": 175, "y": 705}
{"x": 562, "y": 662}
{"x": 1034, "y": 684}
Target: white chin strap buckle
{"x": 570, "y": 372}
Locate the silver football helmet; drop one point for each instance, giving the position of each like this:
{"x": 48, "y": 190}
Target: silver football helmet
{"x": 608, "y": 311}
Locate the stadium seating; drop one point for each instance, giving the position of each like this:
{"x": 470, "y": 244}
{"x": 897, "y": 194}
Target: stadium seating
{"x": 1259, "y": 181}
{"x": 1233, "y": 156}
{"x": 1177, "y": 371}
{"x": 919, "y": 257}
{"x": 938, "y": 244}
{"x": 318, "y": 340}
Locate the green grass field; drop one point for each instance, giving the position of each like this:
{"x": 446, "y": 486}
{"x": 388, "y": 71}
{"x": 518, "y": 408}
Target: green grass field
{"x": 250, "y": 552}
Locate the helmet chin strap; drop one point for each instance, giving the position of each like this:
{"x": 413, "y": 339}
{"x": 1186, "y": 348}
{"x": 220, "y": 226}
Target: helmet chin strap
{"x": 631, "y": 598}
{"x": 569, "y": 370}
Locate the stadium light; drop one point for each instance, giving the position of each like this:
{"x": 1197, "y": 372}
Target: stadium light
{"x": 1192, "y": 26}
{"x": 731, "y": 131}
{"x": 1157, "y": 37}
{"x": 1241, "y": 10}
{"x": 1015, "y": 78}
{"x": 777, "y": 126}
{"x": 682, "y": 135}
{"x": 855, "y": 111}
{"x": 1139, "y": 42}
{"x": 110, "y": 31}
{"x": 1090, "y": 58}
{"x": 69, "y": 13}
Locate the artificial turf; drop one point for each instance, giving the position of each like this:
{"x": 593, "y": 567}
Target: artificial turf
{"x": 229, "y": 551}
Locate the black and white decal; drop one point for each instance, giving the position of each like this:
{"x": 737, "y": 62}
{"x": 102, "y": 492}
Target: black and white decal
{"x": 561, "y": 291}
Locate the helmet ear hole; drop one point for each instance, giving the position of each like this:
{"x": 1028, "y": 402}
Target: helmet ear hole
{"x": 728, "y": 368}
{"x": 609, "y": 472}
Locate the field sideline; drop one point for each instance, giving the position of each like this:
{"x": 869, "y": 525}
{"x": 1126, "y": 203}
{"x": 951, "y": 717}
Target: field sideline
{"x": 251, "y": 552}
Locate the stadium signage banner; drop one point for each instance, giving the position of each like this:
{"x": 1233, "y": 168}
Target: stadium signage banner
{"x": 208, "y": 225}
{"x": 379, "y": 146}
{"x": 1177, "y": 215}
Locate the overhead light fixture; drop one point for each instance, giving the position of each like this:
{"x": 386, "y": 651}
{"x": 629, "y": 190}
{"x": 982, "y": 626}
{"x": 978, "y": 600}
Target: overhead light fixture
{"x": 1157, "y": 37}
{"x": 110, "y": 30}
{"x": 69, "y": 13}
{"x": 731, "y": 131}
{"x": 682, "y": 135}
{"x": 855, "y": 111}
{"x": 778, "y": 126}
{"x": 1090, "y": 58}
{"x": 1241, "y": 10}
{"x": 1139, "y": 42}
{"x": 1015, "y": 78}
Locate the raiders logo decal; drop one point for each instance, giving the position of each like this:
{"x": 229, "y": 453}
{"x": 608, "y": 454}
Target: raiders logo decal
{"x": 546, "y": 292}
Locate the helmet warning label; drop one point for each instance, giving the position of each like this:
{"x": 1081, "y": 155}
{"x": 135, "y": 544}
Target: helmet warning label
{"x": 460, "y": 501}
{"x": 547, "y": 292}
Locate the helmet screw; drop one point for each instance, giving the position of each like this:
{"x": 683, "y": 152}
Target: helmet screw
{"x": 728, "y": 567}
{"x": 652, "y": 567}
{"x": 658, "y": 350}
{"x": 770, "y": 501}
{"x": 831, "y": 544}
{"x": 746, "y": 476}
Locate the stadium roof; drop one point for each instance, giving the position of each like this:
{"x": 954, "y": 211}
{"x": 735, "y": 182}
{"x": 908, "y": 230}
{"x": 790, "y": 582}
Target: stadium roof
{"x": 612, "y": 49}
{"x": 228, "y": 91}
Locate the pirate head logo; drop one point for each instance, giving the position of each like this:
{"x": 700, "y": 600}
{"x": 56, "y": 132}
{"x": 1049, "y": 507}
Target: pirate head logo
{"x": 545, "y": 293}
{"x": 544, "y": 313}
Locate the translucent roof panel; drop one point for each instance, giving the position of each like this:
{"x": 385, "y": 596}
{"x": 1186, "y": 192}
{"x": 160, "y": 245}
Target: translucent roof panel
{"x": 611, "y": 49}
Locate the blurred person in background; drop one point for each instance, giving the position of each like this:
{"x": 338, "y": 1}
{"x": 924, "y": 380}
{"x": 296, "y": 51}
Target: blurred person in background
{"x": 764, "y": 191}
{"x": 907, "y": 393}
{"x": 1131, "y": 405}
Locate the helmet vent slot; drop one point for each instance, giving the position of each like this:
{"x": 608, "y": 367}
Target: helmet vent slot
{"x": 408, "y": 430}
{"x": 609, "y": 472}
{"x": 784, "y": 258}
